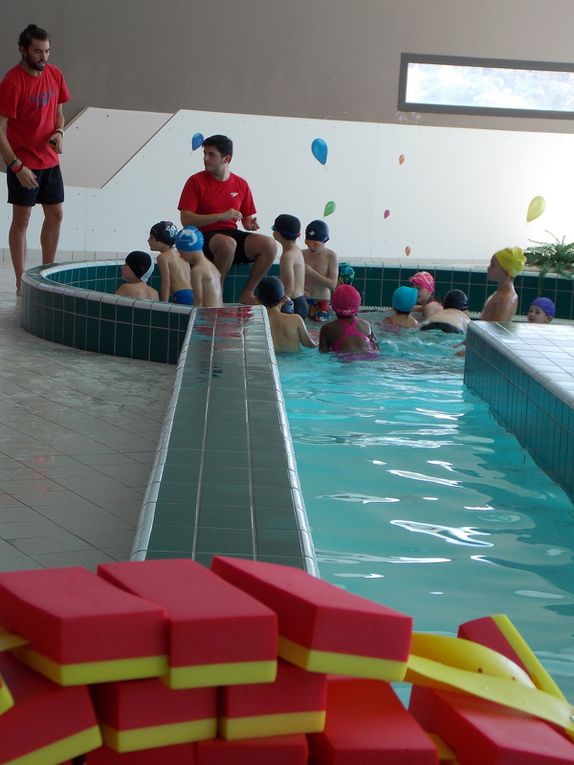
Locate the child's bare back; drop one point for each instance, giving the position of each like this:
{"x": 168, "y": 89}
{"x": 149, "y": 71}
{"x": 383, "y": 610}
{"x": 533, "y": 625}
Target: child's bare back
{"x": 175, "y": 273}
{"x": 205, "y": 281}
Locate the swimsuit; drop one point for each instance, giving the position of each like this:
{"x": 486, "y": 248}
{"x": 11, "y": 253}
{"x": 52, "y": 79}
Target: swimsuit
{"x": 183, "y": 297}
{"x": 300, "y": 306}
{"x": 352, "y": 331}
{"x": 319, "y": 310}
{"x": 444, "y": 327}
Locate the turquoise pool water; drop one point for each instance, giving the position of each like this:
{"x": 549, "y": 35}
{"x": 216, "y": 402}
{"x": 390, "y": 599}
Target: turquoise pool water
{"x": 418, "y": 499}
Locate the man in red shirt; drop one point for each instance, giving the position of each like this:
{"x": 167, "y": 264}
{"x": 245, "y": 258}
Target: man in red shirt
{"x": 31, "y": 137}
{"x": 214, "y": 200}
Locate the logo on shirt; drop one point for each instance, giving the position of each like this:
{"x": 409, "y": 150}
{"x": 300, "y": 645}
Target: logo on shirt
{"x": 40, "y": 100}
{"x": 233, "y": 193}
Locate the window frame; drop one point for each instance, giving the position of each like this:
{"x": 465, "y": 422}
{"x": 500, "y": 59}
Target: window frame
{"x": 493, "y": 63}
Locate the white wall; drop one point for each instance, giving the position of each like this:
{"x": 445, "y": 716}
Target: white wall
{"x": 460, "y": 194}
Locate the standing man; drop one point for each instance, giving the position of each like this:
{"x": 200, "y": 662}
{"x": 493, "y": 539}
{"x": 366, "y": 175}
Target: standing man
{"x": 214, "y": 200}
{"x": 31, "y": 138}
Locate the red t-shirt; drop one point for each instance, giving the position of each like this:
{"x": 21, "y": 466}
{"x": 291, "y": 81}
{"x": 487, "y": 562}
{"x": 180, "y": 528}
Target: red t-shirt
{"x": 204, "y": 195}
{"x": 31, "y": 105}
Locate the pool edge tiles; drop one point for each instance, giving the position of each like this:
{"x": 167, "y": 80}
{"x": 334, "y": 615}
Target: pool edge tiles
{"x": 224, "y": 479}
{"x": 525, "y": 372}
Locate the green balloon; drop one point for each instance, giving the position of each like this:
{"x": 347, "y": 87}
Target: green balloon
{"x": 330, "y": 208}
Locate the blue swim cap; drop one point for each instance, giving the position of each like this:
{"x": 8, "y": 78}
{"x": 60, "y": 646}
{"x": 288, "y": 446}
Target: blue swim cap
{"x": 317, "y": 231}
{"x": 404, "y": 299}
{"x": 546, "y": 305}
{"x": 189, "y": 239}
{"x": 456, "y": 299}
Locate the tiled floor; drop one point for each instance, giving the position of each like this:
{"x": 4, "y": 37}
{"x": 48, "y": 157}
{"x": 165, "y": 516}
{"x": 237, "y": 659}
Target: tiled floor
{"x": 78, "y": 433}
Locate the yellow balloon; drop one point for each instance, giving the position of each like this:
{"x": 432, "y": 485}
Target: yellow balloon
{"x": 535, "y": 208}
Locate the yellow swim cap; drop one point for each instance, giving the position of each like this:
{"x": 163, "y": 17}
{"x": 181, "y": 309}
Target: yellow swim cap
{"x": 511, "y": 259}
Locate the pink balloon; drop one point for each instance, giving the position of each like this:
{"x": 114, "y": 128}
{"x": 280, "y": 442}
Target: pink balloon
{"x": 387, "y": 213}
{"x": 407, "y": 250}
{"x": 401, "y": 159}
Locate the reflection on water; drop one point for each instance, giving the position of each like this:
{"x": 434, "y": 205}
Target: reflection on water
{"x": 400, "y": 436}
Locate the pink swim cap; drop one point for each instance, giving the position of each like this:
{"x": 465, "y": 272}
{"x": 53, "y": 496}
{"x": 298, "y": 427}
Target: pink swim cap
{"x": 346, "y": 301}
{"x": 423, "y": 279}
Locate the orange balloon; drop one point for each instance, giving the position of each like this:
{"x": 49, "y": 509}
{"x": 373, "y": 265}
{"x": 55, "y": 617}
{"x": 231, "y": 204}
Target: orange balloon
{"x": 407, "y": 250}
{"x": 401, "y": 159}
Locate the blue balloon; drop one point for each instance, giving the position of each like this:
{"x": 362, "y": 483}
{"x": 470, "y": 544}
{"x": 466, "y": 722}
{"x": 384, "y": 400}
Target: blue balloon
{"x": 319, "y": 149}
{"x": 196, "y": 141}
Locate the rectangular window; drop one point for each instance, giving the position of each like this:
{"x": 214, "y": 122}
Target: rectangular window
{"x": 457, "y": 85}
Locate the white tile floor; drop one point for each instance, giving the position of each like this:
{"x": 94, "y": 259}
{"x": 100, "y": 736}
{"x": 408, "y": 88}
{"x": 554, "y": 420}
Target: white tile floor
{"x": 77, "y": 438}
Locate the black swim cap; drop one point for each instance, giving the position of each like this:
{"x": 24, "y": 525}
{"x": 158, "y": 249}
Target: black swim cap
{"x": 317, "y": 231}
{"x": 288, "y": 226}
{"x": 139, "y": 262}
{"x": 456, "y": 299}
{"x": 269, "y": 291}
{"x": 165, "y": 231}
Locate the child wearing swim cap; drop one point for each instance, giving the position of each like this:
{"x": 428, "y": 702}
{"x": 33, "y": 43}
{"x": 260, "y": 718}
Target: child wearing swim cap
{"x": 137, "y": 264}
{"x": 321, "y": 270}
{"x": 174, "y": 271}
{"x": 347, "y": 333}
{"x": 205, "y": 278}
{"x": 427, "y": 303}
{"x": 504, "y": 266}
{"x": 542, "y": 310}
{"x": 403, "y": 302}
{"x": 287, "y": 329}
{"x": 454, "y": 316}
{"x": 286, "y": 230}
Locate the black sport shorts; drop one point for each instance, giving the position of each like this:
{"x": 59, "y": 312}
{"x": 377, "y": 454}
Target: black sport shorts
{"x": 50, "y": 190}
{"x": 238, "y": 236}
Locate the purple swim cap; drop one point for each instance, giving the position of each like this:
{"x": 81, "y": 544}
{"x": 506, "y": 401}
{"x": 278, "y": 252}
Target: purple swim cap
{"x": 546, "y": 304}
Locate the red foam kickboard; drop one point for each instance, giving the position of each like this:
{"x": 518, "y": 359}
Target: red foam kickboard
{"x": 318, "y": 615}
{"x": 211, "y": 621}
{"x": 367, "y": 724}
{"x": 143, "y": 703}
{"x": 294, "y": 690}
{"x": 44, "y": 714}
{"x": 486, "y": 632}
{"x": 483, "y": 733}
{"x": 274, "y": 750}
{"x": 72, "y": 616}
{"x": 178, "y": 754}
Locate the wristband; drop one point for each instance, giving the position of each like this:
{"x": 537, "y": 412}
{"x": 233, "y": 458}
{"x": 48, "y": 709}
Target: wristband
{"x": 60, "y": 131}
{"x": 16, "y": 165}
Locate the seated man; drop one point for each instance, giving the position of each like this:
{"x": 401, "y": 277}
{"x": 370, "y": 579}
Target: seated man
{"x": 136, "y": 265}
{"x": 214, "y": 200}
{"x": 504, "y": 266}
{"x": 454, "y": 316}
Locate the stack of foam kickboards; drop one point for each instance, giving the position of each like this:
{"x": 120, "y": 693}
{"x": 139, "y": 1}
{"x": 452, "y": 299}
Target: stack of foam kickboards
{"x": 167, "y": 662}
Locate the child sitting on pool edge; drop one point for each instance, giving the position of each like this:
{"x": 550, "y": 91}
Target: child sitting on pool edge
{"x": 287, "y": 329}
{"x": 542, "y": 310}
{"x": 403, "y": 302}
{"x": 137, "y": 264}
{"x": 347, "y": 333}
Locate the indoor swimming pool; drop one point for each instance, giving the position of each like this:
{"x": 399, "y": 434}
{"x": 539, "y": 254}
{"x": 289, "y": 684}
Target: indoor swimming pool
{"x": 417, "y": 498}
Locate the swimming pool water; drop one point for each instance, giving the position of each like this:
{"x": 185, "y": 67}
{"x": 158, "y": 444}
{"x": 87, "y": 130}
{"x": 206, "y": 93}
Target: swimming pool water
{"x": 417, "y": 498}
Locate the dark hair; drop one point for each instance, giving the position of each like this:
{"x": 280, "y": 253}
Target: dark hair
{"x": 32, "y": 32}
{"x": 222, "y": 143}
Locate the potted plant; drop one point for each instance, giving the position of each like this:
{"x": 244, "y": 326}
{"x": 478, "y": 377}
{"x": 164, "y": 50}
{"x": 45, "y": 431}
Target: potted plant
{"x": 551, "y": 257}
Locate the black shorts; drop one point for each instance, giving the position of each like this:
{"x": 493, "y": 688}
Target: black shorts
{"x": 50, "y": 190}
{"x": 238, "y": 236}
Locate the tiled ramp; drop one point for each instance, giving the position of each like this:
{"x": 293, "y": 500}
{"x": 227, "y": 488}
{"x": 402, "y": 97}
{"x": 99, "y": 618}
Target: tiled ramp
{"x": 225, "y": 479}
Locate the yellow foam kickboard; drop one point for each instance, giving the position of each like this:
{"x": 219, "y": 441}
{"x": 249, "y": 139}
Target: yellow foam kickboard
{"x": 259, "y": 726}
{"x": 328, "y": 662}
{"x": 6, "y": 699}
{"x": 158, "y": 735}
{"x": 527, "y": 656}
{"x": 63, "y": 750}
{"x": 86, "y": 673}
{"x": 210, "y": 675}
